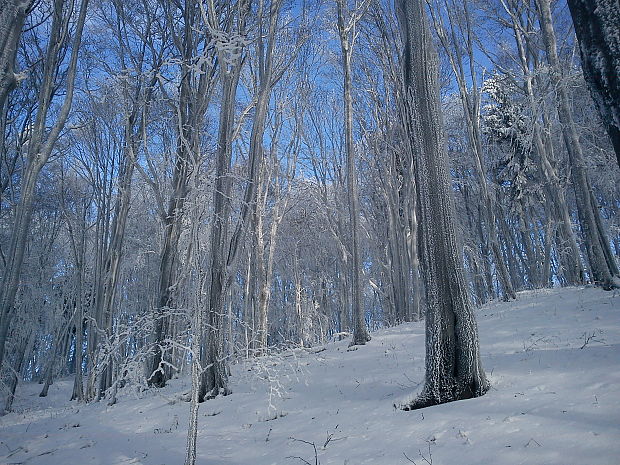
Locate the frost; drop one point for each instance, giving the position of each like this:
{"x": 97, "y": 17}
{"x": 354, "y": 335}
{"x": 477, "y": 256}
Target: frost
{"x": 229, "y": 46}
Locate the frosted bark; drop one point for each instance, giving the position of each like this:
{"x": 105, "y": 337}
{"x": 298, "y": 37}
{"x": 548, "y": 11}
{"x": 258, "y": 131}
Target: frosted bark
{"x": 470, "y": 100}
{"x": 215, "y": 377}
{"x": 12, "y": 16}
{"x": 596, "y": 25}
{"x": 453, "y": 367}
{"x": 223, "y": 254}
{"x": 360, "y": 333}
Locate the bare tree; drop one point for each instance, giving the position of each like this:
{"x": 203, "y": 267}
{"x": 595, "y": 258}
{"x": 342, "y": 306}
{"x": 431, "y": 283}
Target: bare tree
{"x": 196, "y": 86}
{"x": 602, "y": 261}
{"x": 40, "y": 146}
{"x": 521, "y": 24}
{"x": 347, "y": 32}
{"x": 453, "y": 367}
{"x": 596, "y": 26}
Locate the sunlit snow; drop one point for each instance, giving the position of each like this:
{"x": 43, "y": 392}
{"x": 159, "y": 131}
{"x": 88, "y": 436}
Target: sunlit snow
{"x": 552, "y": 358}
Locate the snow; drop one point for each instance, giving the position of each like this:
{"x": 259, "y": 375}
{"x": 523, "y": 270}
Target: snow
{"x": 551, "y": 356}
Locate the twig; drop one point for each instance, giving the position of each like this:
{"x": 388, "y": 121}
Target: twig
{"x": 316, "y": 455}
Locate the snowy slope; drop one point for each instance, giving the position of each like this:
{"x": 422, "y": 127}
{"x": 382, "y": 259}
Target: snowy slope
{"x": 553, "y": 401}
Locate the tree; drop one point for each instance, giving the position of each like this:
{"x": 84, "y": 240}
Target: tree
{"x": 209, "y": 368}
{"x": 453, "y": 367}
{"x": 596, "y": 26}
{"x": 347, "y": 33}
{"x": 522, "y": 25}
{"x": 602, "y": 262}
{"x": 136, "y": 94}
{"x": 195, "y": 89}
{"x": 40, "y": 146}
{"x": 457, "y": 39}
{"x": 13, "y": 13}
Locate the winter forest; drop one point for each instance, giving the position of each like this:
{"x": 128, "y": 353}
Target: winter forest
{"x": 220, "y": 211}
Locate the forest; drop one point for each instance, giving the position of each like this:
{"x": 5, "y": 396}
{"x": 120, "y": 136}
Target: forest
{"x": 188, "y": 187}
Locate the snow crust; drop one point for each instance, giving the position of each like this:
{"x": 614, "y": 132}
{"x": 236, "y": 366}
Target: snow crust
{"x": 551, "y": 356}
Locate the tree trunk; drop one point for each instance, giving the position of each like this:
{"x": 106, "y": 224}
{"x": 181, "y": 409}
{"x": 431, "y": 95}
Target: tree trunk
{"x": 12, "y": 16}
{"x": 15, "y": 374}
{"x": 214, "y": 378}
{"x": 79, "y": 248}
{"x": 596, "y": 26}
{"x": 453, "y": 367}
{"x": 360, "y": 333}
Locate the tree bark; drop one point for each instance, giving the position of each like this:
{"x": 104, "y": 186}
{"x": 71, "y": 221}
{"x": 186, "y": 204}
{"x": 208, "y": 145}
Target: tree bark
{"x": 12, "y": 16}
{"x": 453, "y": 367}
{"x": 596, "y": 26}
{"x": 360, "y": 333}
{"x": 214, "y": 379}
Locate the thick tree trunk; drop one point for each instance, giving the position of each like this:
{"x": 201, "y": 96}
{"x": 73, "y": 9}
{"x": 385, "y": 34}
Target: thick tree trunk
{"x": 596, "y": 26}
{"x": 214, "y": 378}
{"x": 453, "y": 367}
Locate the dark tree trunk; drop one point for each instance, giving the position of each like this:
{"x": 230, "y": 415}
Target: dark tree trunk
{"x": 596, "y": 26}
{"x": 453, "y": 367}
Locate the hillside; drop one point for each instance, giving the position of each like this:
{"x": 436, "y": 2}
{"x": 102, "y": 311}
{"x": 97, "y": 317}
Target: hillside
{"x": 551, "y": 356}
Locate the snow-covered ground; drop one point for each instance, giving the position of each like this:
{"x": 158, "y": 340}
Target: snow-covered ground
{"x": 553, "y": 358}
